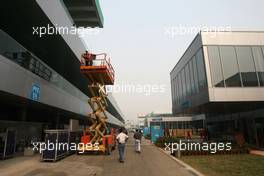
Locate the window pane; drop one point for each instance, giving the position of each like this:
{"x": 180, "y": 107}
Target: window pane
{"x": 188, "y": 83}
{"x": 247, "y": 67}
{"x": 259, "y": 62}
{"x": 201, "y": 69}
{"x": 195, "y": 74}
{"x": 180, "y": 88}
{"x": 179, "y": 91}
{"x": 183, "y": 84}
{"x": 176, "y": 90}
{"x": 215, "y": 66}
{"x": 230, "y": 67}
{"x": 191, "y": 78}
{"x": 172, "y": 90}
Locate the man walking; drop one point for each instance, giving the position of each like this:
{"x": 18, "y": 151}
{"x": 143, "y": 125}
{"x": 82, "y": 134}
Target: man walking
{"x": 137, "y": 137}
{"x": 121, "y": 139}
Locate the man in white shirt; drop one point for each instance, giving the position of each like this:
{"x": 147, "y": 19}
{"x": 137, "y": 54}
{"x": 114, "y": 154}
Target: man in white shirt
{"x": 137, "y": 137}
{"x": 121, "y": 139}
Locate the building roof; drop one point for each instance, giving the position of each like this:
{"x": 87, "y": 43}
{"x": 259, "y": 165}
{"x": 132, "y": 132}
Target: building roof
{"x": 155, "y": 115}
{"x": 85, "y": 13}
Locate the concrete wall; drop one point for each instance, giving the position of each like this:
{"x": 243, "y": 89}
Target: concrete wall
{"x": 19, "y": 81}
{"x": 232, "y": 38}
{"x": 58, "y": 15}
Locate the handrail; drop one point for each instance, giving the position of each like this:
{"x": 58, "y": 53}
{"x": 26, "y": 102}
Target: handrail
{"x": 109, "y": 67}
{"x": 106, "y": 62}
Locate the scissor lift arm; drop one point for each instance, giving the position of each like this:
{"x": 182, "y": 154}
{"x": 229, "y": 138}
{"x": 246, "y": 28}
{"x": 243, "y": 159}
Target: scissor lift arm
{"x": 99, "y": 74}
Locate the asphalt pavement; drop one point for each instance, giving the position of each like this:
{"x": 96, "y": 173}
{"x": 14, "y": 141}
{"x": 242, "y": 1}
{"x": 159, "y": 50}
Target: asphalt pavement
{"x": 150, "y": 162}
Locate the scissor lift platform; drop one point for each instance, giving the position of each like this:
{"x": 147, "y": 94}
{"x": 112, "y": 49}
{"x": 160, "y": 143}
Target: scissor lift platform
{"x": 101, "y": 71}
{"x": 100, "y": 74}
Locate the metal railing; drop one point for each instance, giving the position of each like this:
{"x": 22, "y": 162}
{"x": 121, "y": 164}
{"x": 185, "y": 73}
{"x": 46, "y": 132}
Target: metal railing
{"x": 102, "y": 60}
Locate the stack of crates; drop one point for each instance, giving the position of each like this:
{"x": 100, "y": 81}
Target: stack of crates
{"x": 7, "y": 143}
{"x": 58, "y": 144}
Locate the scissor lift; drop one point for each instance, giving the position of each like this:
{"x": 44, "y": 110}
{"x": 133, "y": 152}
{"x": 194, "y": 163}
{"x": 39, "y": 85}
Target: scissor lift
{"x": 99, "y": 73}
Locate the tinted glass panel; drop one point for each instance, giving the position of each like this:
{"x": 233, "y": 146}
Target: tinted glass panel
{"x": 201, "y": 69}
{"x": 247, "y": 67}
{"x": 259, "y": 62}
{"x": 172, "y": 90}
{"x": 195, "y": 74}
{"x": 176, "y": 90}
{"x": 215, "y": 66}
{"x": 12, "y": 50}
{"x": 183, "y": 84}
{"x": 188, "y": 83}
{"x": 192, "y": 78}
{"x": 180, "y": 88}
{"x": 230, "y": 66}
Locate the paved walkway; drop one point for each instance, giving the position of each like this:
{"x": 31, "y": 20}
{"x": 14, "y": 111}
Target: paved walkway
{"x": 151, "y": 162}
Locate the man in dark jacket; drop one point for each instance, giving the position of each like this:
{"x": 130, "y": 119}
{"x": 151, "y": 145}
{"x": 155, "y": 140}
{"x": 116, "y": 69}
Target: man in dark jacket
{"x": 88, "y": 58}
{"x": 137, "y": 137}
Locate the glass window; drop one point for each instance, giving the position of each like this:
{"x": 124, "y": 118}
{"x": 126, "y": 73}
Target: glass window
{"x": 183, "y": 84}
{"x": 188, "y": 83}
{"x": 215, "y": 66}
{"x": 246, "y": 66}
{"x": 195, "y": 74}
{"x": 191, "y": 78}
{"x": 172, "y": 88}
{"x": 176, "y": 90}
{"x": 230, "y": 66}
{"x": 177, "y": 87}
{"x": 177, "y": 97}
{"x": 12, "y": 50}
{"x": 180, "y": 88}
{"x": 259, "y": 62}
{"x": 201, "y": 69}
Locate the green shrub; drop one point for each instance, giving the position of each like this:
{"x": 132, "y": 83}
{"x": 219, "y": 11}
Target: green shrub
{"x": 148, "y": 136}
{"x": 160, "y": 142}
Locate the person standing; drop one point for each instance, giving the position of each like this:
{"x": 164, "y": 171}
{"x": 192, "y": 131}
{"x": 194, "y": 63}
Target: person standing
{"x": 88, "y": 58}
{"x": 121, "y": 139}
{"x": 137, "y": 137}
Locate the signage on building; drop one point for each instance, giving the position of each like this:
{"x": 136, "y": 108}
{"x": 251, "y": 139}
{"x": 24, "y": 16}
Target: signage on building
{"x": 35, "y": 92}
{"x": 156, "y": 119}
{"x": 186, "y": 104}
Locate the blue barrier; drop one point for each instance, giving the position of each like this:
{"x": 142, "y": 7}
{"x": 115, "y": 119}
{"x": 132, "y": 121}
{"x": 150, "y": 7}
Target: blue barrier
{"x": 156, "y": 132}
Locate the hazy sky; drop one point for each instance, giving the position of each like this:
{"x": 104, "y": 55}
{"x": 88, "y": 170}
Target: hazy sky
{"x": 136, "y": 36}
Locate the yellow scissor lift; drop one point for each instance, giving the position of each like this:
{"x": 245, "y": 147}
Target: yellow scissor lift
{"x": 99, "y": 72}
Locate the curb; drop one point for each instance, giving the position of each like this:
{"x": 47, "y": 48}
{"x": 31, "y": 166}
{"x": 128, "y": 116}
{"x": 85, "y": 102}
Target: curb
{"x": 188, "y": 167}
